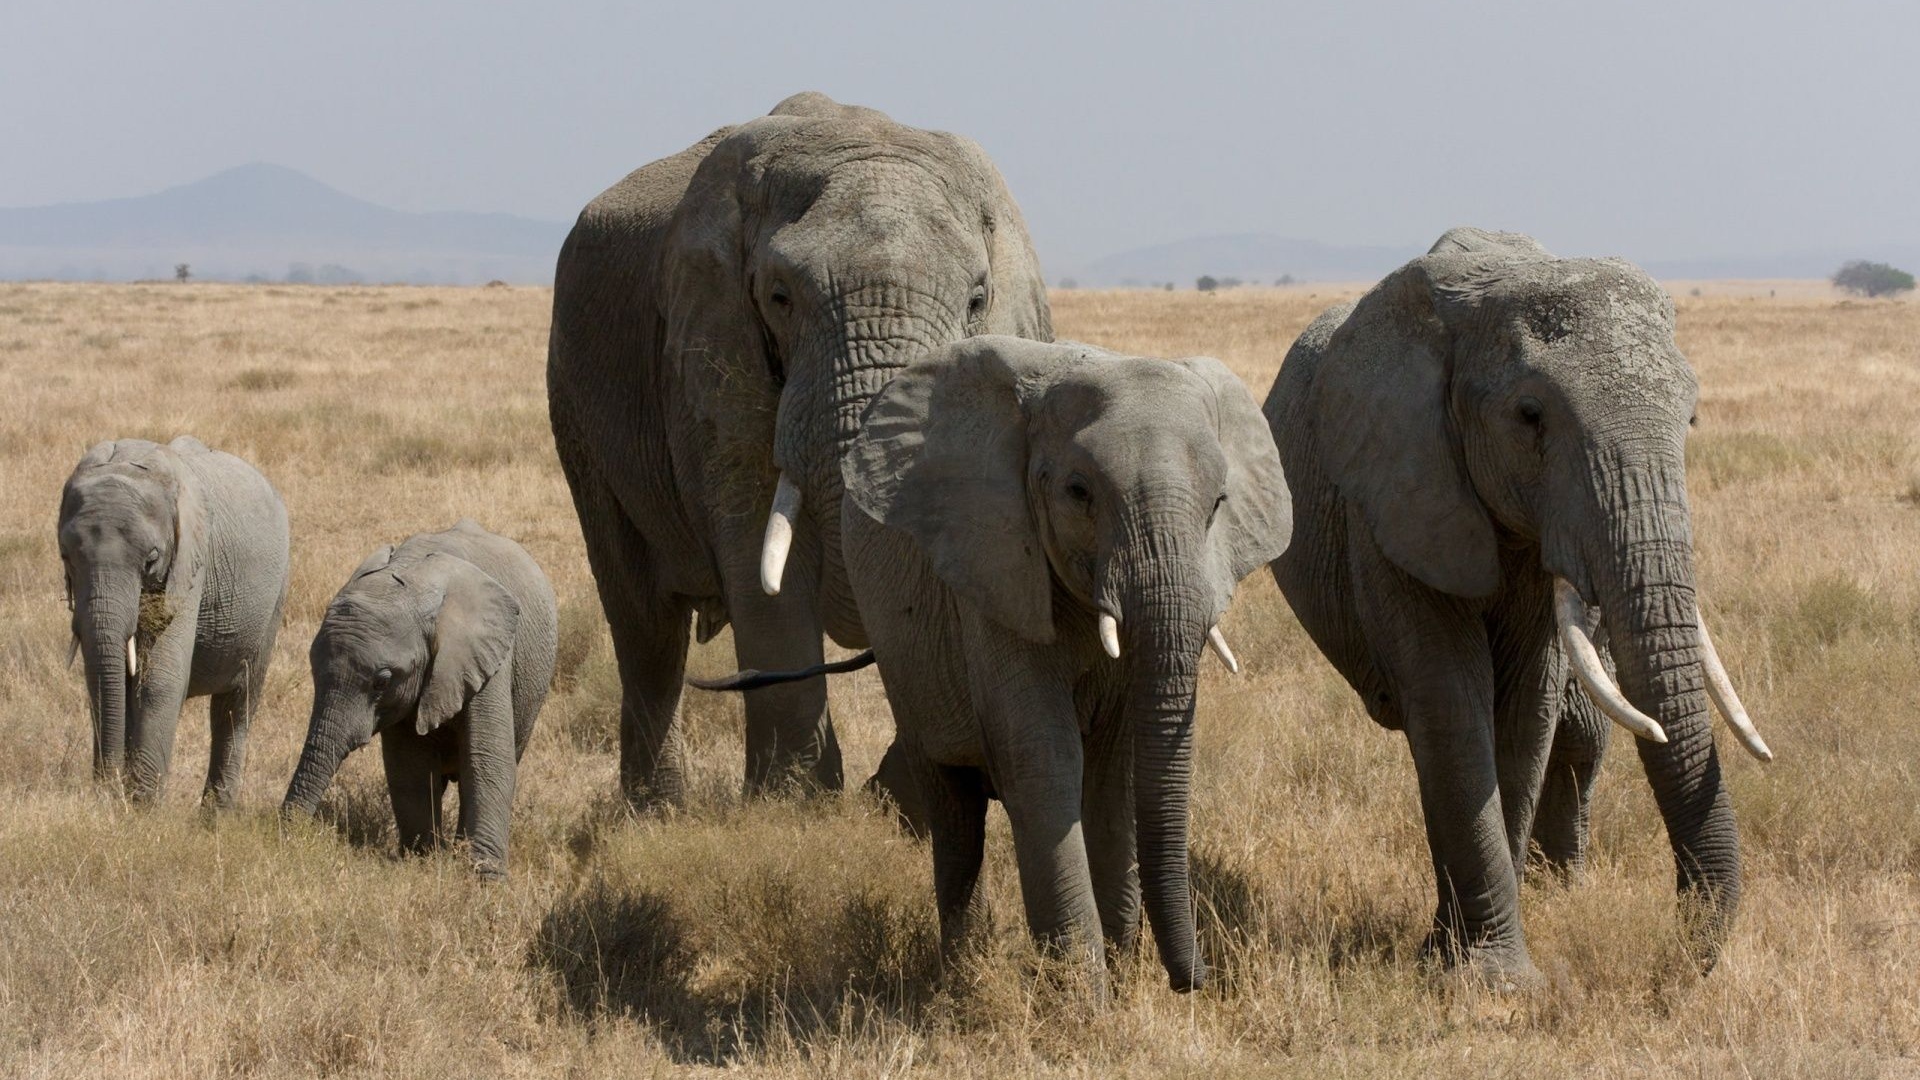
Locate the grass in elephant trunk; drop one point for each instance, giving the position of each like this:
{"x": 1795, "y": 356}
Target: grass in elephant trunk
{"x": 797, "y": 939}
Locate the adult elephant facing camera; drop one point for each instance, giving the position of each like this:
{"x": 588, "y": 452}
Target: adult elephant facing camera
{"x": 1042, "y": 539}
{"x": 1487, "y": 443}
{"x": 721, "y": 319}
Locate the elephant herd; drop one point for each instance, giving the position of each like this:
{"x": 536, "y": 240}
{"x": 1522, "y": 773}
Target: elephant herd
{"x": 802, "y": 382}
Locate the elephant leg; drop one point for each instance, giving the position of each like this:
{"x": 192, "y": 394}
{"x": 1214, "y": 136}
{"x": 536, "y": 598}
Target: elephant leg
{"x": 956, "y": 807}
{"x": 649, "y": 628}
{"x": 1527, "y": 685}
{"x": 1560, "y": 829}
{"x": 895, "y": 782}
{"x": 416, "y": 786}
{"x": 1037, "y": 766}
{"x": 231, "y": 714}
{"x": 790, "y": 736}
{"x": 488, "y": 768}
{"x": 161, "y": 691}
{"x": 1437, "y": 664}
{"x": 1106, "y": 815}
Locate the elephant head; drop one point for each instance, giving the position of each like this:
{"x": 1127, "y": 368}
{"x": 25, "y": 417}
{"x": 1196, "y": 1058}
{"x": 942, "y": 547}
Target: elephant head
{"x": 132, "y": 544}
{"x": 405, "y": 641}
{"x": 1056, "y": 488}
{"x": 1498, "y": 395}
{"x": 817, "y": 250}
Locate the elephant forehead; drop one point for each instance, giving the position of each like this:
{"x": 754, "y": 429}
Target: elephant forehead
{"x": 1130, "y": 389}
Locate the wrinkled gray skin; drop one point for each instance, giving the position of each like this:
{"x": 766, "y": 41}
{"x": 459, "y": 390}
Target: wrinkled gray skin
{"x": 444, "y": 647}
{"x": 1484, "y": 419}
{"x": 184, "y": 550}
{"x": 1002, "y": 494}
{"x": 721, "y": 316}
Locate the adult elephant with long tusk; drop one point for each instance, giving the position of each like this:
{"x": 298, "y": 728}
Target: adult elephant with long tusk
{"x": 1486, "y": 451}
{"x": 720, "y": 319}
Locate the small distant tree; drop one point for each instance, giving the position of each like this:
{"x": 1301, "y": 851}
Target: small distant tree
{"x": 1069, "y": 283}
{"x": 1169, "y": 286}
{"x": 1863, "y": 278}
{"x": 1230, "y": 283}
{"x": 181, "y": 272}
{"x": 1207, "y": 283}
{"x": 1283, "y": 280}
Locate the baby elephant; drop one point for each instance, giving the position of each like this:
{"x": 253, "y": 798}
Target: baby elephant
{"x": 176, "y": 568}
{"x": 443, "y": 646}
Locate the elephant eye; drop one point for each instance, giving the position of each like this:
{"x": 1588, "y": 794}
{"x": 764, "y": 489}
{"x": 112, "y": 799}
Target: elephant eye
{"x": 1077, "y": 491}
{"x": 978, "y": 302}
{"x": 1215, "y": 512}
{"x": 780, "y": 297}
{"x": 382, "y": 677}
{"x": 1529, "y": 411}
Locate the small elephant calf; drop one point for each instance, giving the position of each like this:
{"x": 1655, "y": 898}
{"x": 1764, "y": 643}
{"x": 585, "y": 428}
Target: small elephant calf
{"x": 444, "y": 647}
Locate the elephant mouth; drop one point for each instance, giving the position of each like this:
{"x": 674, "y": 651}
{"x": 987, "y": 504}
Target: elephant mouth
{"x": 1570, "y": 617}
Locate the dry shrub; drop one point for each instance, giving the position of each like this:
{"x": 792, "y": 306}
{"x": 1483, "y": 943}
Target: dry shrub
{"x": 798, "y": 939}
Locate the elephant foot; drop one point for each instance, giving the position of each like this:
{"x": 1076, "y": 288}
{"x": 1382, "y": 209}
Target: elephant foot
{"x": 1503, "y": 967}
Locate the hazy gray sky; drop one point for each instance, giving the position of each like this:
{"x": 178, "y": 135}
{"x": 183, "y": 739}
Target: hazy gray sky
{"x": 1653, "y": 130}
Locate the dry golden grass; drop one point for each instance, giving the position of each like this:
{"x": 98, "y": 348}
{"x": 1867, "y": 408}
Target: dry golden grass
{"x": 799, "y": 939}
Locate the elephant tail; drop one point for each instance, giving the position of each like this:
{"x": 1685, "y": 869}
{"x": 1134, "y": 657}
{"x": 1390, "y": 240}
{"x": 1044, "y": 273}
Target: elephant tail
{"x": 754, "y": 680}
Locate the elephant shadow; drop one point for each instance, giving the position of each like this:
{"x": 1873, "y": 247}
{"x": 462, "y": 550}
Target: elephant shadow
{"x": 1240, "y": 924}
{"x": 630, "y": 954}
{"x": 362, "y": 814}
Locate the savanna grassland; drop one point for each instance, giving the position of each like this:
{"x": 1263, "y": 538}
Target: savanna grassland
{"x": 799, "y": 938}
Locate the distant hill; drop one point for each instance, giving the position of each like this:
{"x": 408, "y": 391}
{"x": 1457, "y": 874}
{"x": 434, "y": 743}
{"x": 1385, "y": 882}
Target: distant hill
{"x": 1261, "y": 259}
{"x": 269, "y": 221}
{"x": 1256, "y": 258}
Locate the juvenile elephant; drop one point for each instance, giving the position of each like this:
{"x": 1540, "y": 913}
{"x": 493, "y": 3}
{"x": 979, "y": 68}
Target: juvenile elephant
{"x": 1041, "y": 539}
{"x": 720, "y": 319}
{"x": 444, "y": 647}
{"x": 1483, "y": 446}
{"x": 176, "y": 568}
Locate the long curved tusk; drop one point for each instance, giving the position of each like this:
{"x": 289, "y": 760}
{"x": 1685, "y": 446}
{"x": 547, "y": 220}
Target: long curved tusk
{"x": 1570, "y": 612}
{"x": 133, "y": 659}
{"x": 1219, "y": 643}
{"x": 1720, "y": 689}
{"x": 1110, "y": 635}
{"x": 779, "y": 539}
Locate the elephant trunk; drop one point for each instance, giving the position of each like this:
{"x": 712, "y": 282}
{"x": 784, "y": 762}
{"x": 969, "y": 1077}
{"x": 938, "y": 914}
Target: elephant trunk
{"x": 106, "y": 624}
{"x": 327, "y": 746}
{"x": 1646, "y": 594}
{"x": 1166, "y": 629}
{"x": 872, "y": 333}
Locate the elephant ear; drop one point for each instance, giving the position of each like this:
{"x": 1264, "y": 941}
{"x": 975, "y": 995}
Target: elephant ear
{"x": 1019, "y": 304}
{"x": 1255, "y": 524}
{"x": 1380, "y": 408}
{"x": 471, "y": 637}
{"x": 189, "y": 510}
{"x": 711, "y": 333}
{"x": 942, "y": 456}
{"x": 381, "y": 556}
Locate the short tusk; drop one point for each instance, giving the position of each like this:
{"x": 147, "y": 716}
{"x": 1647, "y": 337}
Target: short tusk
{"x": 1720, "y": 688}
{"x": 779, "y": 539}
{"x": 133, "y": 659}
{"x": 1219, "y": 643}
{"x": 1110, "y": 635}
{"x": 1570, "y": 612}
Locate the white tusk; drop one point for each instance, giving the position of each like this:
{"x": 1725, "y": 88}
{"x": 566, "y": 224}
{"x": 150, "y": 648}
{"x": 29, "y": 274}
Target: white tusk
{"x": 773, "y": 550}
{"x": 1219, "y": 642}
{"x": 1110, "y": 635}
{"x": 1720, "y": 688}
{"x": 1570, "y": 612}
{"x": 133, "y": 659}
{"x": 73, "y": 649}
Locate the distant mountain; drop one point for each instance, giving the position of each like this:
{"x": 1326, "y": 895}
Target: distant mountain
{"x": 1252, "y": 257}
{"x": 1261, "y": 259}
{"x": 270, "y": 221}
